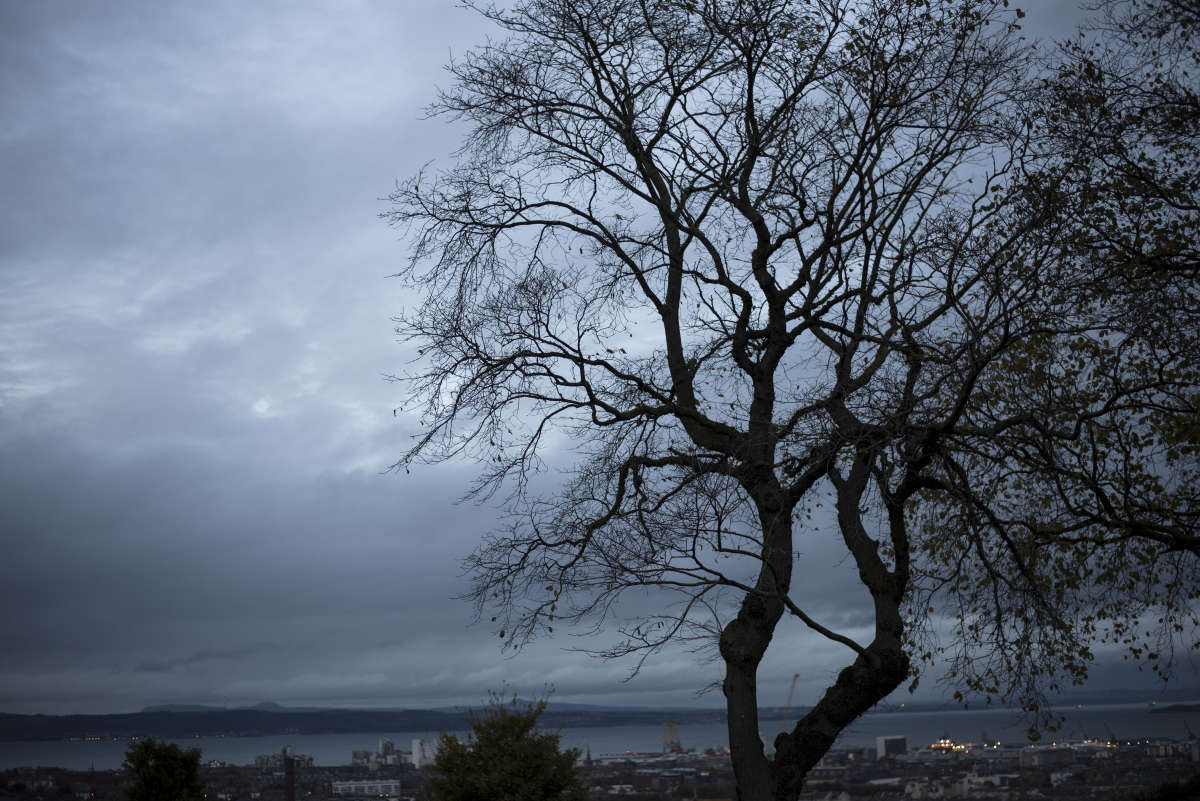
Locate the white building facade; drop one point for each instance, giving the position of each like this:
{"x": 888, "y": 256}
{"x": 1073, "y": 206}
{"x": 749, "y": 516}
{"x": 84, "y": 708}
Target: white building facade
{"x": 368, "y": 787}
{"x": 423, "y": 752}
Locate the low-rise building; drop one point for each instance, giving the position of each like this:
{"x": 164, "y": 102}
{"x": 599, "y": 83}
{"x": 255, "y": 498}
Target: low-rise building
{"x": 894, "y": 745}
{"x": 367, "y": 788}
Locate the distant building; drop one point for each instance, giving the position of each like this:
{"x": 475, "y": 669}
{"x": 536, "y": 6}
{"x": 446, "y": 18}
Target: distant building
{"x": 365, "y": 788}
{"x": 279, "y": 761}
{"x": 1044, "y": 756}
{"x": 947, "y": 746}
{"x": 894, "y": 745}
{"x": 424, "y": 752}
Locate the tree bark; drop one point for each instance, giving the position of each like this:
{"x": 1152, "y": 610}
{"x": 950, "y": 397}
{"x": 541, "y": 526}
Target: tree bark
{"x": 870, "y": 679}
{"x": 744, "y": 641}
{"x": 742, "y": 645}
{"x": 875, "y": 673}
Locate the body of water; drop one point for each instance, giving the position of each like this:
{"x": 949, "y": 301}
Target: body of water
{"x": 1120, "y": 721}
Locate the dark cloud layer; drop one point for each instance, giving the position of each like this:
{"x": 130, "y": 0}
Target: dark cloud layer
{"x": 194, "y": 325}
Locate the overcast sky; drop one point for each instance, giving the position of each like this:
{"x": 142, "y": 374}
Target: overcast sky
{"x": 195, "y": 322}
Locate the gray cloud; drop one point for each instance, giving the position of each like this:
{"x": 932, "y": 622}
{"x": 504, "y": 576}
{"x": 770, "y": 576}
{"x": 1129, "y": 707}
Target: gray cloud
{"x": 200, "y": 657}
{"x": 194, "y": 325}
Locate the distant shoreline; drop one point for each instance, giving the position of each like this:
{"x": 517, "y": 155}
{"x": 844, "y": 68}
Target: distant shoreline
{"x": 203, "y": 722}
{"x": 1176, "y": 708}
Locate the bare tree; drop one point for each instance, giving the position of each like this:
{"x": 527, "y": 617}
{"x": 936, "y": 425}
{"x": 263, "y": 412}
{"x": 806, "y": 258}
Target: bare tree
{"x": 749, "y": 254}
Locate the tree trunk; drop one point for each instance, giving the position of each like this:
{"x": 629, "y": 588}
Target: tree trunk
{"x": 870, "y": 679}
{"x": 744, "y": 641}
{"x": 872, "y": 676}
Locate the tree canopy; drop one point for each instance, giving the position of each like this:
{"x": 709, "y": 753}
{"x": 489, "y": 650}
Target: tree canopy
{"x": 506, "y": 759}
{"x": 868, "y": 270}
{"x": 162, "y": 771}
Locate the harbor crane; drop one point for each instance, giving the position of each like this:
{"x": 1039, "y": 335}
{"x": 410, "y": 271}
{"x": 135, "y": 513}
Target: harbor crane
{"x": 787, "y": 710}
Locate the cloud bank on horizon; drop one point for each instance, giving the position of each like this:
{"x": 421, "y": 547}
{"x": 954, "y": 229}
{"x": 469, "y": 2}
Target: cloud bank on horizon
{"x": 195, "y": 321}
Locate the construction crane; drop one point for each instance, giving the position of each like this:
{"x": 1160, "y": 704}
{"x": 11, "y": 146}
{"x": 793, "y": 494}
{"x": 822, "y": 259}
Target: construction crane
{"x": 671, "y": 743}
{"x": 787, "y": 710}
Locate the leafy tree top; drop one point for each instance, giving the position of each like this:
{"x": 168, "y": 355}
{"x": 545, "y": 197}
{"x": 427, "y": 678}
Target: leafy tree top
{"x": 506, "y": 758}
{"x": 162, "y": 771}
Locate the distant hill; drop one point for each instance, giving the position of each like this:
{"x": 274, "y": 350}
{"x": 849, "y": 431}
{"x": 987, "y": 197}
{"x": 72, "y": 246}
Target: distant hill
{"x": 265, "y": 706}
{"x": 211, "y": 722}
{"x": 183, "y": 708}
{"x": 180, "y": 721}
{"x": 269, "y": 718}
